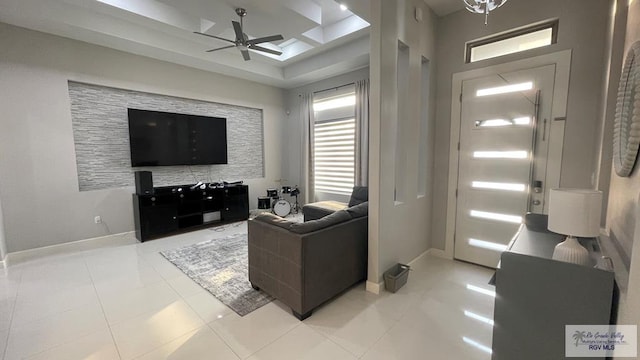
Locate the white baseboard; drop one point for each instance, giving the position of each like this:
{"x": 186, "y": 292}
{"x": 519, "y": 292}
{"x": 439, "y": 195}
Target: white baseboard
{"x": 439, "y": 253}
{"x": 410, "y": 263}
{"x": 79, "y": 245}
{"x": 374, "y": 287}
{"x": 433, "y": 252}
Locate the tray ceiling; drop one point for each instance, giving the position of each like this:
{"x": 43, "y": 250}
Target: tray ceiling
{"x": 320, "y": 38}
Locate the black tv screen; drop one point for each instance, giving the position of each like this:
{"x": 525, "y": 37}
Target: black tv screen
{"x": 161, "y": 139}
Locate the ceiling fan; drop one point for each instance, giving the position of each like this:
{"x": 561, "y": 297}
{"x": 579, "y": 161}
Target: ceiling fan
{"x": 242, "y": 41}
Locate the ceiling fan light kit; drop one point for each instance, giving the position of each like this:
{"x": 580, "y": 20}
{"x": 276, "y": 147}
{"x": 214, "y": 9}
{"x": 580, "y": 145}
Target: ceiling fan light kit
{"x": 242, "y": 41}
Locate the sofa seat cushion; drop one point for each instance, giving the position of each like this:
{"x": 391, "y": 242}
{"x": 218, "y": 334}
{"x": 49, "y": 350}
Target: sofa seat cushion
{"x": 320, "y": 209}
{"x": 327, "y": 205}
{"x": 314, "y": 225}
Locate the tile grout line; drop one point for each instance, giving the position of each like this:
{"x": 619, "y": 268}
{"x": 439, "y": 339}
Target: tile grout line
{"x": 274, "y": 340}
{"x": 61, "y": 344}
{"x": 102, "y": 308}
{"x": 206, "y": 324}
{"x": 13, "y": 309}
{"x": 396, "y": 322}
{"x": 184, "y": 298}
{"x": 221, "y": 338}
{"x": 332, "y": 341}
{"x": 38, "y": 319}
{"x": 259, "y": 349}
{"x": 181, "y": 298}
{"x": 360, "y": 302}
{"x": 224, "y": 230}
{"x": 163, "y": 344}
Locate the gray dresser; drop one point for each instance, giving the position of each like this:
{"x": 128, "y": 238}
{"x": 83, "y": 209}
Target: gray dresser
{"x": 537, "y": 296}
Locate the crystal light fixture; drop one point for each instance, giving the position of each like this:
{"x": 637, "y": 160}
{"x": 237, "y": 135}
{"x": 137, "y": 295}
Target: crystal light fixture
{"x": 483, "y": 6}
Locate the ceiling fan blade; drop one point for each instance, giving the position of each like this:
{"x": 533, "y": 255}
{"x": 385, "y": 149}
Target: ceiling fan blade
{"x": 221, "y": 48}
{"x": 238, "y": 29}
{"x": 260, "y": 48}
{"x": 265, "y": 39}
{"x": 245, "y": 55}
{"x": 215, "y": 37}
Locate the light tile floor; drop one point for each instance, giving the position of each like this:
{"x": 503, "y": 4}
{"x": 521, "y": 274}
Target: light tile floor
{"x": 128, "y": 302}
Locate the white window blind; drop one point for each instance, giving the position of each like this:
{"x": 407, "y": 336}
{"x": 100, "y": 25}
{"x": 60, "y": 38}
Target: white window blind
{"x": 334, "y": 144}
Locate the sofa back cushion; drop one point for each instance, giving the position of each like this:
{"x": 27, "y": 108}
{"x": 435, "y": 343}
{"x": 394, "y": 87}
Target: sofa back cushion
{"x": 314, "y": 225}
{"x": 359, "y": 195}
{"x": 272, "y": 219}
{"x": 359, "y": 210}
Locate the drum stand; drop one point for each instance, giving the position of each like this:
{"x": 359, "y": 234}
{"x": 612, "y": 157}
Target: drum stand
{"x": 296, "y": 207}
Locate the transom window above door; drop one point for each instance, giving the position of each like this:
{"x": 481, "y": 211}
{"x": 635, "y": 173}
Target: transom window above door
{"x": 512, "y": 41}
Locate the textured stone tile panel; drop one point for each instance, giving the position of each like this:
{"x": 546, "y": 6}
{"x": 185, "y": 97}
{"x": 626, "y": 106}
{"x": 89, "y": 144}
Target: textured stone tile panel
{"x": 101, "y": 137}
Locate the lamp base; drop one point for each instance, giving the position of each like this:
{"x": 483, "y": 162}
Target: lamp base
{"x": 571, "y": 251}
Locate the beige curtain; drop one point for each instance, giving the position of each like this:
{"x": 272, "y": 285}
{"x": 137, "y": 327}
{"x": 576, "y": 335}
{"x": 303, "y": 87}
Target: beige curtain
{"x": 307, "y": 118}
{"x": 362, "y": 133}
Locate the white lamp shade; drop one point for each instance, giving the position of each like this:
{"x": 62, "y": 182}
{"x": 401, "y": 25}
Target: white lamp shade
{"x": 575, "y": 212}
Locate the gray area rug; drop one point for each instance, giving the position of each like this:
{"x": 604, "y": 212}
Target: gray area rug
{"x": 221, "y": 267}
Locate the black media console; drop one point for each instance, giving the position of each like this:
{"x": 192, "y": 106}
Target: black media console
{"x": 174, "y": 209}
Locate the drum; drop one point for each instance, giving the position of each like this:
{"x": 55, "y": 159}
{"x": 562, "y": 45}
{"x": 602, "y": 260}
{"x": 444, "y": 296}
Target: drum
{"x": 282, "y": 208}
{"x": 264, "y": 202}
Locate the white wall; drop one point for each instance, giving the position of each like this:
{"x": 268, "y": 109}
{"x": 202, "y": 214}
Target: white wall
{"x": 624, "y": 192}
{"x": 3, "y": 240}
{"x": 398, "y": 232}
{"x": 292, "y": 129}
{"x": 583, "y": 29}
{"x": 38, "y": 177}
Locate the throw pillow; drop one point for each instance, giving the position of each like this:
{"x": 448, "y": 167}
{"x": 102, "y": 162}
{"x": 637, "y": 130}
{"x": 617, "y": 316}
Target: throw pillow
{"x": 359, "y": 195}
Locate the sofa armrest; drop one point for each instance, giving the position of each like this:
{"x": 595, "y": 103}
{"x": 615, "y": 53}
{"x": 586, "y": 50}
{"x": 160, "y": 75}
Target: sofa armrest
{"x": 275, "y": 262}
{"x": 305, "y": 270}
{"x": 333, "y": 259}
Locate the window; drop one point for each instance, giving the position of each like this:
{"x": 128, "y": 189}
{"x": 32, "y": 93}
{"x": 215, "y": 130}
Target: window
{"x": 334, "y": 141}
{"x": 515, "y": 41}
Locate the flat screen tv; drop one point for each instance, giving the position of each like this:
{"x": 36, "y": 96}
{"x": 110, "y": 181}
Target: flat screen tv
{"x": 161, "y": 139}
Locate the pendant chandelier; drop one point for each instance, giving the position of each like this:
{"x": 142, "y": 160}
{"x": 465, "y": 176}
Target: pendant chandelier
{"x": 483, "y": 6}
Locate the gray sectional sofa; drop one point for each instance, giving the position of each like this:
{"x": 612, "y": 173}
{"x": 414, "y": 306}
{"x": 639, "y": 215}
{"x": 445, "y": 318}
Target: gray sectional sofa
{"x": 305, "y": 264}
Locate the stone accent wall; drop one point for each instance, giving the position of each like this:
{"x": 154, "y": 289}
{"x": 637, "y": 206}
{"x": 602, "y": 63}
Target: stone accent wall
{"x": 101, "y": 136}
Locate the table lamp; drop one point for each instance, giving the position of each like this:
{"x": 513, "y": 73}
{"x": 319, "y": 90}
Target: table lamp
{"x": 574, "y": 212}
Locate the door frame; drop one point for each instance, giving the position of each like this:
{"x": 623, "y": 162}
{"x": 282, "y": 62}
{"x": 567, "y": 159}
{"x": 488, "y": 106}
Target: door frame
{"x": 562, "y": 60}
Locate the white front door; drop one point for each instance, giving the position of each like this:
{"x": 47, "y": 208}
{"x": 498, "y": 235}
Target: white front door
{"x": 504, "y": 127}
